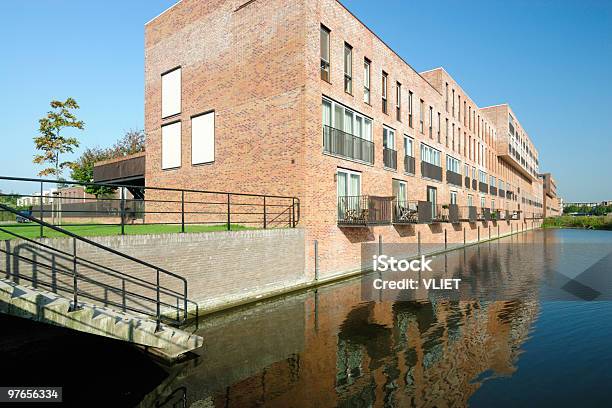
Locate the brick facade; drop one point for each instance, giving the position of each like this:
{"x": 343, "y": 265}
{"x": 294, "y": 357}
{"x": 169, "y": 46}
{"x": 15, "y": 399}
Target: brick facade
{"x": 256, "y": 64}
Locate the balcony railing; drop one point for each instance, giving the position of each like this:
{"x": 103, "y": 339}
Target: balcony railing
{"x": 484, "y": 214}
{"x": 474, "y": 184}
{"x": 467, "y": 182}
{"x": 483, "y": 187}
{"x": 405, "y": 212}
{"x": 502, "y": 193}
{"x": 390, "y": 158}
{"x": 343, "y": 144}
{"x": 468, "y": 213}
{"x": 431, "y": 171}
{"x": 409, "y": 164}
{"x": 493, "y": 190}
{"x": 364, "y": 210}
{"x": 453, "y": 178}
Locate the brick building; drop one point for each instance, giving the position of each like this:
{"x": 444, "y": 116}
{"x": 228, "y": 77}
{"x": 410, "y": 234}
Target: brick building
{"x": 301, "y": 98}
{"x": 551, "y": 201}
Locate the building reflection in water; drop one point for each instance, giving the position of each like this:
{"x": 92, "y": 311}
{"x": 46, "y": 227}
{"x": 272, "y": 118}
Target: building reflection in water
{"x": 334, "y": 347}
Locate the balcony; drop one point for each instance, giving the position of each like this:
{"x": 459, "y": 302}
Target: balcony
{"x": 484, "y": 214}
{"x": 453, "y": 178}
{"x": 502, "y": 193}
{"x": 467, "y": 182}
{"x": 467, "y": 213}
{"x": 483, "y": 187}
{"x": 349, "y": 146}
{"x": 493, "y": 190}
{"x": 362, "y": 211}
{"x": 431, "y": 171}
{"x": 405, "y": 212}
{"x": 409, "y": 164}
{"x": 474, "y": 184}
{"x": 420, "y": 212}
{"x": 390, "y": 158}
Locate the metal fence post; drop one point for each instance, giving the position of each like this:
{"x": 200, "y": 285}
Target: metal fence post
{"x": 479, "y": 233}
{"x": 122, "y": 210}
{"x": 41, "y": 216}
{"x": 419, "y": 242}
{"x": 498, "y": 230}
{"x": 229, "y": 225}
{"x": 316, "y": 260}
{"x": 74, "y": 274}
{"x": 489, "y": 232}
{"x": 182, "y": 210}
{"x": 464, "y": 236}
{"x": 293, "y": 223}
{"x": 445, "y": 240}
{"x": 380, "y": 245}
{"x": 265, "y": 224}
{"x": 158, "y": 325}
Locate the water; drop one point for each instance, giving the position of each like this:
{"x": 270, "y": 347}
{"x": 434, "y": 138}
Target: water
{"x": 521, "y": 332}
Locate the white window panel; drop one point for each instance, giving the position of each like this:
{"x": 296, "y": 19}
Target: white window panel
{"x": 171, "y": 93}
{"x": 203, "y": 138}
{"x": 171, "y": 145}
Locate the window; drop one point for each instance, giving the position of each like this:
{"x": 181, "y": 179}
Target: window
{"x": 453, "y": 103}
{"x": 464, "y": 113}
{"x": 453, "y": 144}
{"x": 492, "y": 181}
{"x": 470, "y": 200}
{"x": 467, "y": 170}
{"x": 384, "y": 91}
{"x": 366, "y": 81}
{"x": 349, "y": 190}
{"x": 492, "y": 205}
{"x": 324, "y": 36}
{"x": 171, "y": 145}
{"x": 453, "y": 197}
{"x": 432, "y": 197}
{"x": 459, "y": 107}
{"x": 430, "y": 122}
{"x": 482, "y": 176}
{"x": 398, "y": 101}
{"x": 430, "y": 155}
{"x": 171, "y": 93}
{"x": 337, "y": 116}
{"x": 388, "y": 138}
{"x": 203, "y": 138}
{"x": 447, "y": 132}
{"x": 482, "y": 201}
{"x": 446, "y": 99}
{"x": 501, "y": 185}
{"x": 421, "y": 115}
{"x": 470, "y": 117}
{"x": 348, "y": 68}
{"x": 474, "y": 173}
{"x": 399, "y": 190}
{"x": 453, "y": 164}
{"x": 410, "y": 108}
{"x": 408, "y": 146}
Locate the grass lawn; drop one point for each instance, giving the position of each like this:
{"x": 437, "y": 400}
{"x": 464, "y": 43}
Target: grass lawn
{"x": 569, "y": 221}
{"x": 88, "y": 230}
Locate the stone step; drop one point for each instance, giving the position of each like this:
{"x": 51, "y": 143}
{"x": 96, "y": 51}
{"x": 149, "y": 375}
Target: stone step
{"x": 51, "y": 308}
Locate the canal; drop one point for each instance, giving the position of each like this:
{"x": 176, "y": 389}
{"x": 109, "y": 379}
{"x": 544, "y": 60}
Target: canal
{"x": 531, "y": 325}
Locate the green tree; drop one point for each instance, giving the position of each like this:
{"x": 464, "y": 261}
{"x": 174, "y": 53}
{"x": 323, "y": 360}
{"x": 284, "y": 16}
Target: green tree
{"x": 51, "y": 143}
{"x": 133, "y": 141}
{"x": 82, "y": 170}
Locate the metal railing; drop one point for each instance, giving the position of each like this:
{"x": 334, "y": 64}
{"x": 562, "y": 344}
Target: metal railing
{"x": 147, "y": 290}
{"x": 409, "y": 164}
{"x": 338, "y": 142}
{"x": 390, "y": 158}
{"x": 364, "y": 210}
{"x": 130, "y": 208}
{"x": 405, "y": 212}
{"x": 453, "y": 178}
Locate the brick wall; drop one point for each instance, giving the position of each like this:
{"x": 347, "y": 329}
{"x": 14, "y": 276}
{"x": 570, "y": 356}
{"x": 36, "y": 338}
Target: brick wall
{"x": 220, "y": 267}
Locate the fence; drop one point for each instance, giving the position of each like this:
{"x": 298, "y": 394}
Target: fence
{"x": 128, "y": 206}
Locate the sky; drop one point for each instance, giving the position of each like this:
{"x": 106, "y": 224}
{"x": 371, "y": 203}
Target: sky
{"x": 551, "y": 60}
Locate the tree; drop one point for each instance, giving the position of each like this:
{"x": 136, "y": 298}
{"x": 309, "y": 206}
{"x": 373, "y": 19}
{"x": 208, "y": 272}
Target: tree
{"x": 82, "y": 170}
{"x": 51, "y": 142}
{"x": 133, "y": 141}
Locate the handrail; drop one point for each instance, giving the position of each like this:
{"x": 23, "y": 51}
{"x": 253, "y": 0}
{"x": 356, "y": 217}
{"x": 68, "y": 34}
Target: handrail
{"x": 80, "y": 183}
{"x": 76, "y": 237}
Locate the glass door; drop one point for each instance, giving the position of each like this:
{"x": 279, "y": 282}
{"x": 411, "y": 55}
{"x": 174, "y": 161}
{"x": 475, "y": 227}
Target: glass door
{"x": 432, "y": 197}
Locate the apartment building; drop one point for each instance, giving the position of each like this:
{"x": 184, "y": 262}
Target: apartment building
{"x": 551, "y": 203}
{"x": 301, "y": 98}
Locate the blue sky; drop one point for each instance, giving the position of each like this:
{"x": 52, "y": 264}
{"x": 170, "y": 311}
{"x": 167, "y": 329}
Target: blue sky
{"x": 551, "y": 60}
